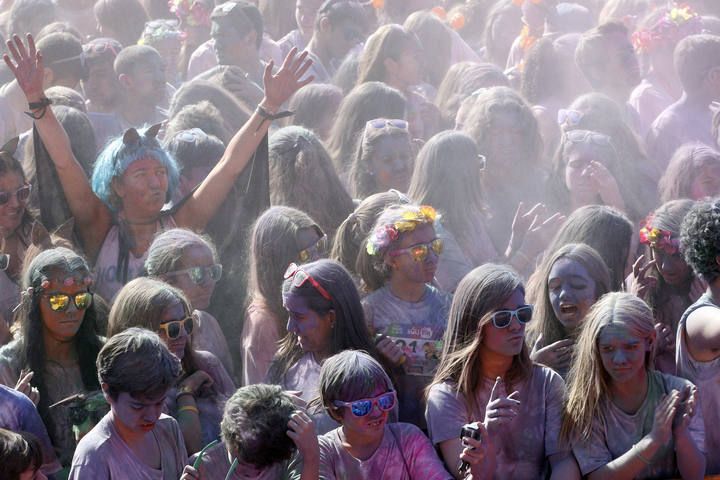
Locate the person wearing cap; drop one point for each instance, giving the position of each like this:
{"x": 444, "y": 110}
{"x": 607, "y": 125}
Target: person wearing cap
{"x": 63, "y": 63}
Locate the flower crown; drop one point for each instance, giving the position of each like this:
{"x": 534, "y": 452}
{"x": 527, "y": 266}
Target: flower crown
{"x": 676, "y": 24}
{"x": 384, "y": 235}
{"x": 659, "y": 239}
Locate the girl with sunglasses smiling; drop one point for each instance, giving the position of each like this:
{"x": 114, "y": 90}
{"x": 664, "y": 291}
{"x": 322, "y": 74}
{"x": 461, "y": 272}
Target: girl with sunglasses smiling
{"x": 280, "y": 236}
{"x": 407, "y": 314}
{"x": 624, "y": 418}
{"x": 197, "y": 399}
{"x": 189, "y": 262}
{"x": 486, "y": 377}
{"x": 357, "y": 392}
{"x": 324, "y": 317}
{"x": 54, "y": 355}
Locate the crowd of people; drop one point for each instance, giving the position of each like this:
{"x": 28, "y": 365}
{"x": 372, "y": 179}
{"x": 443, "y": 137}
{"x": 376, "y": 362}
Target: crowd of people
{"x": 349, "y": 239}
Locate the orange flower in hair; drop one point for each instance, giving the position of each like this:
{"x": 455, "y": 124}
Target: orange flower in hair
{"x": 457, "y": 21}
{"x": 439, "y": 12}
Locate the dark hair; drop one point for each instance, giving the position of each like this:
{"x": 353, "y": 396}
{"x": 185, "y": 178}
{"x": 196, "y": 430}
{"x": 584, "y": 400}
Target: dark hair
{"x": 302, "y": 176}
{"x": 695, "y": 56}
{"x": 81, "y": 134}
{"x": 193, "y": 148}
{"x": 100, "y": 55}
{"x": 313, "y": 104}
{"x": 494, "y": 52}
{"x": 236, "y": 82}
{"x": 540, "y": 79}
{"x": 447, "y": 176}
{"x": 29, "y": 16}
{"x": 273, "y": 246}
{"x": 686, "y": 164}
{"x": 364, "y": 103}
{"x": 131, "y": 57}
{"x": 591, "y": 52}
{"x": 603, "y": 228}
{"x": 62, "y": 54}
{"x": 125, "y": 18}
{"x": 137, "y": 362}
{"x": 244, "y": 17}
{"x": 354, "y": 230}
{"x": 203, "y": 115}
{"x": 19, "y": 451}
{"x": 50, "y": 264}
{"x": 66, "y": 97}
{"x": 255, "y": 424}
{"x": 339, "y": 11}
{"x": 350, "y": 330}
{"x": 59, "y": 27}
{"x": 234, "y": 115}
{"x": 461, "y": 80}
{"x": 279, "y": 17}
{"x": 388, "y": 41}
{"x": 700, "y": 240}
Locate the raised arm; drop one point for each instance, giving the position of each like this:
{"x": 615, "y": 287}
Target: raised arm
{"x": 207, "y": 198}
{"x": 92, "y": 217}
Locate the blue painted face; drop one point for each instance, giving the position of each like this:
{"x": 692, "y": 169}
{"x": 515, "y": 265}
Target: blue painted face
{"x": 312, "y": 329}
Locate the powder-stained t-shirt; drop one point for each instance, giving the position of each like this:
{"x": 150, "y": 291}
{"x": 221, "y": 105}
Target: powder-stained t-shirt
{"x": 417, "y": 328}
{"x": 523, "y": 447}
{"x": 102, "y": 454}
{"x": 706, "y": 376}
{"x": 620, "y": 431}
{"x": 304, "y": 377}
{"x": 405, "y": 453}
{"x": 18, "y": 413}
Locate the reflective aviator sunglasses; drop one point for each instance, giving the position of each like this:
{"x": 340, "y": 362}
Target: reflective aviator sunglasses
{"x": 198, "y": 274}
{"x": 502, "y": 318}
{"x": 420, "y": 251}
{"x": 362, "y": 407}
{"x": 59, "y": 302}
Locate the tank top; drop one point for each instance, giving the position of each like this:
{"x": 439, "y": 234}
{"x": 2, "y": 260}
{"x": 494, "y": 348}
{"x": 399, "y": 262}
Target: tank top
{"x": 706, "y": 376}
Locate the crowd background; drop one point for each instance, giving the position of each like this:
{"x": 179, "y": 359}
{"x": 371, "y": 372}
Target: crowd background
{"x": 341, "y": 239}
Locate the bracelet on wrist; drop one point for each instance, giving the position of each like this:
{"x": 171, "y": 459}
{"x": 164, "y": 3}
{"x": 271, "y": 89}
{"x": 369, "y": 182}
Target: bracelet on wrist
{"x": 39, "y": 108}
{"x": 267, "y": 116}
{"x": 189, "y": 408}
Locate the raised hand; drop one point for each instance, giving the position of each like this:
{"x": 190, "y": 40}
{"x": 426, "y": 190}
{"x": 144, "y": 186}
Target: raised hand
{"x": 501, "y": 409}
{"x": 532, "y": 229}
{"x": 301, "y": 430}
{"x": 643, "y": 283}
{"x": 23, "y": 386}
{"x": 279, "y": 87}
{"x": 556, "y": 355}
{"x": 604, "y": 184}
{"x": 27, "y": 66}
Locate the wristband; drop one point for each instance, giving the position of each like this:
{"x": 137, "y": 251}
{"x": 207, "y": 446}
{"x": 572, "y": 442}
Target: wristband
{"x": 41, "y": 106}
{"x": 267, "y": 116}
{"x": 189, "y": 408}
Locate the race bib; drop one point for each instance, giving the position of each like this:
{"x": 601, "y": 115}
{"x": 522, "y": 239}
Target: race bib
{"x": 422, "y": 346}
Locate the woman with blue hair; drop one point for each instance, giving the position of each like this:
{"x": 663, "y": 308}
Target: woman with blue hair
{"x": 118, "y": 215}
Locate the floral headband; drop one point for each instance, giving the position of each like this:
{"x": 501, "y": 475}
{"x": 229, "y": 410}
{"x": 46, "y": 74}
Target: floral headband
{"x": 659, "y": 239}
{"x": 192, "y": 12}
{"x": 676, "y": 24}
{"x": 384, "y": 235}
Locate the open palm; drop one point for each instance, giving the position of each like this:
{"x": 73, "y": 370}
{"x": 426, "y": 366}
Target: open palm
{"x": 280, "y": 86}
{"x": 27, "y": 66}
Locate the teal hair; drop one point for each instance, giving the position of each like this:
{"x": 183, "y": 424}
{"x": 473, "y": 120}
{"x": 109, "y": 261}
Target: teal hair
{"x": 117, "y": 156}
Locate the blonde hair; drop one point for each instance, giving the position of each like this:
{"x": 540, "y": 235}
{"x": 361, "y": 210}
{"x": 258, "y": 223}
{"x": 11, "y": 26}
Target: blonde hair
{"x": 588, "y": 382}
{"x": 478, "y": 295}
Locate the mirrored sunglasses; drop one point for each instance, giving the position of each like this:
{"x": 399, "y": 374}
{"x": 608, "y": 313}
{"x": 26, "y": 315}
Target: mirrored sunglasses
{"x": 59, "y": 302}
{"x": 571, "y": 118}
{"x": 173, "y": 328}
{"x": 388, "y": 122}
{"x": 363, "y": 407}
{"x": 22, "y": 194}
{"x": 199, "y": 274}
{"x": 420, "y": 251}
{"x": 314, "y": 252}
{"x": 502, "y": 318}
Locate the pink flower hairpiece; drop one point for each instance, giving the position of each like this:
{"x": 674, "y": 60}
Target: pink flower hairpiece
{"x": 384, "y": 235}
{"x": 675, "y": 25}
{"x": 659, "y": 239}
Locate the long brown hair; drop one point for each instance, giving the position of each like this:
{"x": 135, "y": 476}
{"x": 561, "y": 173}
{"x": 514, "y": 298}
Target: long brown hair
{"x": 478, "y": 295}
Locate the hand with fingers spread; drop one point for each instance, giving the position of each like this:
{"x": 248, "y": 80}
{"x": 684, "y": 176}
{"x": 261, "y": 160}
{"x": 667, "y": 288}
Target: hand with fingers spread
{"x": 532, "y": 229}
{"x": 23, "y": 386}
{"x": 280, "y": 86}
{"x": 302, "y": 431}
{"x": 665, "y": 338}
{"x": 643, "y": 284}
{"x": 662, "y": 428}
{"x": 501, "y": 409}
{"x": 391, "y": 351}
{"x": 557, "y": 355}
{"x": 27, "y": 66}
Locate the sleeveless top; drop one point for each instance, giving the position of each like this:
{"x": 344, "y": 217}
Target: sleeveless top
{"x": 706, "y": 376}
{"x": 107, "y": 280}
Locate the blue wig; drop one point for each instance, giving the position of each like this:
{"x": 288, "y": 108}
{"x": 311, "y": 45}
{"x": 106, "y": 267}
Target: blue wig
{"x": 122, "y": 152}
